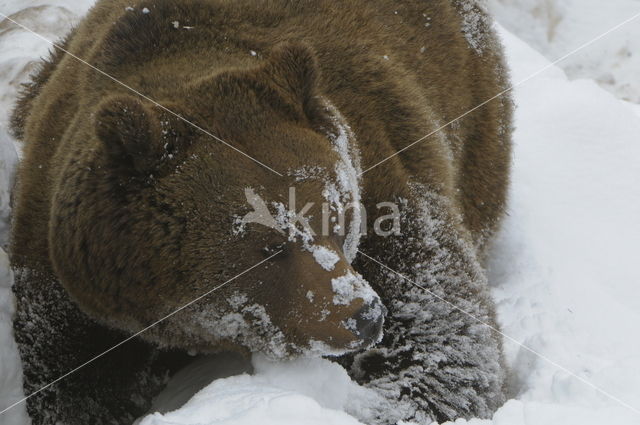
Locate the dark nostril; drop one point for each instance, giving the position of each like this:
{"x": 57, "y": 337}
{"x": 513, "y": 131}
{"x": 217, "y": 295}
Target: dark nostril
{"x": 368, "y": 322}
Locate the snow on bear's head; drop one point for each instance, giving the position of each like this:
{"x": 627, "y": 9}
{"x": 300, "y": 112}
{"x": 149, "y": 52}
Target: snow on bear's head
{"x": 171, "y": 222}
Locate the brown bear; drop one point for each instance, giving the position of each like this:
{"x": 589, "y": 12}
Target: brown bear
{"x": 161, "y": 148}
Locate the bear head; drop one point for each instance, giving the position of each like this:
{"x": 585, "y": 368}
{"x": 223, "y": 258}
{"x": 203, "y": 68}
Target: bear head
{"x": 173, "y": 219}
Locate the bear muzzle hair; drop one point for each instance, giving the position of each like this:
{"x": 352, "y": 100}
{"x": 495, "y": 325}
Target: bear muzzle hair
{"x": 340, "y": 312}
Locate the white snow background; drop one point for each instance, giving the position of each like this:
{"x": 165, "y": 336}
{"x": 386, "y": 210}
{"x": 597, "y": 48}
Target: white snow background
{"x": 556, "y": 27}
{"x": 564, "y": 267}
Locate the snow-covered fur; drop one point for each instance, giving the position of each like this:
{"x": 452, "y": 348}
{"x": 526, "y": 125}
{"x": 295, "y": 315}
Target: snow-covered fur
{"x": 55, "y": 337}
{"x": 125, "y": 212}
{"x": 440, "y": 358}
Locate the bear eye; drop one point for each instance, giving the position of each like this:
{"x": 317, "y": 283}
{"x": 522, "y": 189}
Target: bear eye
{"x": 273, "y": 248}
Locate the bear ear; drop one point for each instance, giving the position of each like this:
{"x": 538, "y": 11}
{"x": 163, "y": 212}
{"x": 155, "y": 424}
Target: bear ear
{"x": 293, "y": 69}
{"x": 130, "y": 132}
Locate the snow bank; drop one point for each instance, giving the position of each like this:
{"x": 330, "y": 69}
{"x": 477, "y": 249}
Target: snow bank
{"x": 21, "y": 51}
{"x": 304, "y": 391}
{"x": 564, "y": 266}
{"x": 556, "y": 27}
{"x": 8, "y": 161}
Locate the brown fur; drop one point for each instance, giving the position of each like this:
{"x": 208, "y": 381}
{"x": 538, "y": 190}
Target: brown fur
{"x": 130, "y": 208}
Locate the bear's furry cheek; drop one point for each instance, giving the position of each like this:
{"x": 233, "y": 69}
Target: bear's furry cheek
{"x": 245, "y": 329}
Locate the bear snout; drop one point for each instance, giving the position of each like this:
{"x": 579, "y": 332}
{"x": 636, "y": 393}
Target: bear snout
{"x": 368, "y": 321}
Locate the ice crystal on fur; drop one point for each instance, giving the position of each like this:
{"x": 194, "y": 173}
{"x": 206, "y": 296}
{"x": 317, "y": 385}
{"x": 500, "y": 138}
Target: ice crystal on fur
{"x": 325, "y": 257}
{"x": 351, "y": 286}
{"x": 451, "y": 356}
{"x": 474, "y": 23}
{"x": 345, "y": 191}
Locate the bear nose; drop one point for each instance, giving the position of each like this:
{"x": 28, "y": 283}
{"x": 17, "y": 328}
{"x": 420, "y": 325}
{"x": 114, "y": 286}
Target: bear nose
{"x": 368, "y": 322}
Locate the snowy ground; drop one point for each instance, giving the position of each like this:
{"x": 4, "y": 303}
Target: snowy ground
{"x": 556, "y": 27}
{"x": 564, "y": 267}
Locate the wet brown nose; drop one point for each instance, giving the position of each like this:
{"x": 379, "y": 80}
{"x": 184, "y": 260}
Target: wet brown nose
{"x": 368, "y": 322}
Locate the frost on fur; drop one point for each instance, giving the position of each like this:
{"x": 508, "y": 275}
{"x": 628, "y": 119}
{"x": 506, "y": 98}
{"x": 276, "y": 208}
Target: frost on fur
{"x": 439, "y": 358}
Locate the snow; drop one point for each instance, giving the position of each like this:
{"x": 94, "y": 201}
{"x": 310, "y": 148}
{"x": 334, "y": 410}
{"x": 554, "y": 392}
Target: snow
{"x": 565, "y": 263}
{"x": 8, "y": 161}
{"x": 303, "y": 391}
{"x": 563, "y": 268}
{"x": 256, "y": 332}
{"x": 307, "y": 172}
{"x": 473, "y": 22}
{"x": 10, "y": 369}
{"x": 344, "y": 193}
{"x": 326, "y": 257}
{"x": 556, "y": 27}
{"x": 349, "y": 287}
